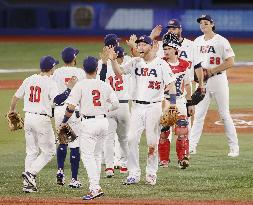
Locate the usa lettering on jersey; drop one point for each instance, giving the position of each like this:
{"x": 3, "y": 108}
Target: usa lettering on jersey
{"x": 145, "y": 72}
{"x": 207, "y": 49}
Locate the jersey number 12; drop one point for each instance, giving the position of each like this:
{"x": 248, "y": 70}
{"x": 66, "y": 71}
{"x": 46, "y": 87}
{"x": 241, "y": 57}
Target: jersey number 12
{"x": 116, "y": 82}
{"x": 35, "y": 94}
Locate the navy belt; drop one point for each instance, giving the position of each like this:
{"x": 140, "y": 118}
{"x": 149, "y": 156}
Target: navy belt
{"x": 95, "y": 116}
{"x": 216, "y": 74}
{"x": 59, "y": 104}
{"x": 123, "y": 101}
{"x": 144, "y": 102}
{"x": 39, "y": 114}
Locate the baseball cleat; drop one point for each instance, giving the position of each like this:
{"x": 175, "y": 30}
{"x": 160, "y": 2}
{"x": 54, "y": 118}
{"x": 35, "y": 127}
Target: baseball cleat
{"x": 184, "y": 163}
{"x": 60, "y": 177}
{"x": 123, "y": 170}
{"x": 131, "y": 180}
{"x": 93, "y": 194}
{"x": 29, "y": 178}
{"x": 75, "y": 183}
{"x": 151, "y": 179}
{"x": 29, "y": 189}
{"x": 109, "y": 172}
{"x": 234, "y": 152}
{"x": 164, "y": 163}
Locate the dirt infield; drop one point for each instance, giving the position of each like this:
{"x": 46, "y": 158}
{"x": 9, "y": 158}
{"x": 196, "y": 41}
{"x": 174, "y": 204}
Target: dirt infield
{"x": 31, "y": 201}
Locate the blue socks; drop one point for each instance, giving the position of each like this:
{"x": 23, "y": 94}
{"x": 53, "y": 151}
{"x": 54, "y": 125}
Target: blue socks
{"x": 61, "y": 155}
{"x": 74, "y": 161}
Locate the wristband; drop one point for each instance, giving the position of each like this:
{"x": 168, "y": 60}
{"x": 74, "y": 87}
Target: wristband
{"x": 65, "y": 119}
{"x": 173, "y": 98}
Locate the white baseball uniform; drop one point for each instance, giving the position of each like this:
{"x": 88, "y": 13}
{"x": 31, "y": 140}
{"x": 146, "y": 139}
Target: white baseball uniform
{"x": 119, "y": 119}
{"x": 212, "y": 53}
{"x": 93, "y": 97}
{"x": 186, "y": 52}
{"x": 180, "y": 70}
{"x": 61, "y": 76}
{"x": 149, "y": 80}
{"x": 38, "y": 93}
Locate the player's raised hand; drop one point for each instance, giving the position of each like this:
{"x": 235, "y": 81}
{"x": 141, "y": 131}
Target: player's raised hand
{"x": 111, "y": 53}
{"x": 156, "y": 32}
{"x": 104, "y": 55}
{"x": 131, "y": 42}
{"x": 72, "y": 81}
{"x": 155, "y": 46}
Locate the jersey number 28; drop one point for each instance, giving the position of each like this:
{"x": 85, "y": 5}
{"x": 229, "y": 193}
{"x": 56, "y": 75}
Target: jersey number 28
{"x": 214, "y": 60}
{"x": 35, "y": 94}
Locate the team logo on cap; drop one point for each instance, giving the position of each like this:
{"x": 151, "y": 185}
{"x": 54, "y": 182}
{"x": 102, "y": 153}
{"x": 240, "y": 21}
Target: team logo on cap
{"x": 171, "y": 22}
{"x": 142, "y": 38}
{"x": 203, "y": 16}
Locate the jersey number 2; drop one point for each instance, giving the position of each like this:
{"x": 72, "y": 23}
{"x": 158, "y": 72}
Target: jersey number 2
{"x": 96, "y": 98}
{"x": 116, "y": 82}
{"x": 35, "y": 94}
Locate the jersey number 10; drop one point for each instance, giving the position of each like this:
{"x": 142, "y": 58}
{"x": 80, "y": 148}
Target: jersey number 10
{"x": 35, "y": 94}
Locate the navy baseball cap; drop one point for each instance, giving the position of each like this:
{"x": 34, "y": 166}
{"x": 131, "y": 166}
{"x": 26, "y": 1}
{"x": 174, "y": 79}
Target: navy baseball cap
{"x": 68, "y": 54}
{"x": 171, "y": 40}
{"x": 47, "y": 63}
{"x": 90, "y": 64}
{"x": 205, "y": 17}
{"x": 120, "y": 52}
{"x": 174, "y": 23}
{"x": 145, "y": 39}
{"x": 111, "y": 39}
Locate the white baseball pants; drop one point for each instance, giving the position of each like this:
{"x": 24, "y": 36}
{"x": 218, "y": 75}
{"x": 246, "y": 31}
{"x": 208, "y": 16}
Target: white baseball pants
{"x": 144, "y": 117}
{"x": 93, "y": 132}
{"x": 40, "y": 142}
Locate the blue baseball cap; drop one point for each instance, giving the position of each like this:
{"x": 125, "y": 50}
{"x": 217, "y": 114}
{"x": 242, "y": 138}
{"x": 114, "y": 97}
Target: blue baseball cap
{"x": 111, "y": 39}
{"x": 47, "y": 63}
{"x": 145, "y": 39}
{"x": 90, "y": 64}
{"x": 120, "y": 52}
{"x": 68, "y": 54}
{"x": 174, "y": 23}
{"x": 205, "y": 17}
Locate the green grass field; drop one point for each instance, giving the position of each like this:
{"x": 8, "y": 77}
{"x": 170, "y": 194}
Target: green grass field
{"x": 211, "y": 176}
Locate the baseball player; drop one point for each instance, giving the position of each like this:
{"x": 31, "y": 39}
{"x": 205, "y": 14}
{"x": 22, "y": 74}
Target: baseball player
{"x": 217, "y": 56}
{"x": 150, "y": 75}
{"x": 119, "y": 119}
{"x": 39, "y": 92}
{"x": 179, "y": 67}
{"x": 93, "y": 96}
{"x": 61, "y": 76}
{"x": 185, "y": 52}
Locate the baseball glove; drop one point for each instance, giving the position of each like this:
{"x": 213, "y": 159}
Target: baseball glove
{"x": 169, "y": 117}
{"x": 15, "y": 121}
{"x": 65, "y": 134}
{"x": 205, "y": 74}
{"x": 198, "y": 95}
